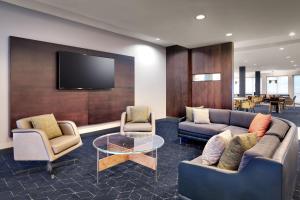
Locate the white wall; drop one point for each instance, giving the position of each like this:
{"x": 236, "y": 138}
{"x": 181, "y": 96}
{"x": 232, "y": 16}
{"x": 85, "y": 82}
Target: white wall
{"x": 150, "y": 59}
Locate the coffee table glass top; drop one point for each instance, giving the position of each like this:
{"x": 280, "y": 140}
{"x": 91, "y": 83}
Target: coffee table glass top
{"x": 115, "y": 143}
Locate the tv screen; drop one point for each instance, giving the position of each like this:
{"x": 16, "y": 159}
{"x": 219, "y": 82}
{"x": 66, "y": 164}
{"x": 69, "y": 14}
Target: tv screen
{"x": 84, "y": 72}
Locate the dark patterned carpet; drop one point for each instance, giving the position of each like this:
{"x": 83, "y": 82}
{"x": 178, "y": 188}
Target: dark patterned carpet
{"x": 29, "y": 180}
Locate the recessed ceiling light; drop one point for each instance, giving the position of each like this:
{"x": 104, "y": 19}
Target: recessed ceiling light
{"x": 292, "y": 61}
{"x": 200, "y": 17}
{"x": 255, "y": 64}
{"x": 281, "y": 48}
{"x": 295, "y": 65}
{"x": 291, "y": 34}
{"x": 288, "y": 57}
{"x": 228, "y": 34}
{"x": 157, "y": 39}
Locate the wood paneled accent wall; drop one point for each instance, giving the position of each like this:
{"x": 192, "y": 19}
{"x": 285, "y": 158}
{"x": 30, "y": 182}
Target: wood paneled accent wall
{"x": 33, "y": 83}
{"x": 213, "y": 59}
{"x": 182, "y": 63}
{"x": 178, "y": 80}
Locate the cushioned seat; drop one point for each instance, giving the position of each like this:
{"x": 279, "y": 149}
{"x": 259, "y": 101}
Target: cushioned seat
{"x": 139, "y": 127}
{"x": 207, "y": 129}
{"x": 64, "y": 142}
{"x": 235, "y": 130}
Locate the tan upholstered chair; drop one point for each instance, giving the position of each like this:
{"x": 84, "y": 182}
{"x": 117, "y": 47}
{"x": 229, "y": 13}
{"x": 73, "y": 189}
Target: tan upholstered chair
{"x": 290, "y": 102}
{"x": 33, "y": 144}
{"x": 137, "y": 129}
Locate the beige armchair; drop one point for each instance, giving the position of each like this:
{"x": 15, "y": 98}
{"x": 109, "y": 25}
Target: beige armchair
{"x": 31, "y": 144}
{"x": 137, "y": 129}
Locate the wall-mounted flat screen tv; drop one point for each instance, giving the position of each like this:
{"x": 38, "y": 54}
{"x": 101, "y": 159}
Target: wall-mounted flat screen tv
{"x": 83, "y": 72}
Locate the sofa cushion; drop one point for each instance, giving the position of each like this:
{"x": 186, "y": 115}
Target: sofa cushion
{"x": 189, "y": 113}
{"x": 48, "y": 124}
{"x": 214, "y": 148}
{"x": 278, "y": 128}
{"x": 241, "y": 119}
{"x": 198, "y": 160}
{"x": 137, "y": 127}
{"x": 233, "y": 154}
{"x": 140, "y": 114}
{"x": 260, "y": 124}
{"x": 265, "y": 147}
{"x": 201, "y": 116}
{"x": 219, "y": 116}
{"x": 64, "y": 142}
{"x": 207, "y": 129}
{"x": 128, "y": 114}
{"x": 235, "y": 130}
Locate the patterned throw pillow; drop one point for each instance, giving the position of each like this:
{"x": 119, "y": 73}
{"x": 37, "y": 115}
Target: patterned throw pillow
{"x": 233, "y": 153}
{"x": 140, "y": 114}
{"x": 214, "y": 148}
{"x": 48, "y": 124}
{"x": 189, "y": 113}
{"x": 201, "y": 116}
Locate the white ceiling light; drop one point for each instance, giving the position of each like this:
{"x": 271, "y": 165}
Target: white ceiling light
{"x": 228, "y": 34}
{"x": 281, "y": 48}
{"x": 292, "y": 61}
{"x": 200, "y": 17}
{"x": 255, "y": 64}
{"x": 288, "y": 57}
{"x": 157, "y": 39}
{"x": 291, "y": 34}
{"x": 295, "y": 65}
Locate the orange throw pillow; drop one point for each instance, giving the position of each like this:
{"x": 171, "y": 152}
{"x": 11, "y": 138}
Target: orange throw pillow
{"x": 260, "y": 124}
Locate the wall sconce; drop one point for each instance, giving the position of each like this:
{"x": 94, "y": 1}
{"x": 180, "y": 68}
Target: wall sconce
{"x": 207, "y": 77}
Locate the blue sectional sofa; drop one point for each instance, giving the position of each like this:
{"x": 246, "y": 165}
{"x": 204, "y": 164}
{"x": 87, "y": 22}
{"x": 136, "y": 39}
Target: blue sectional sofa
{"x": 267, "y": 171}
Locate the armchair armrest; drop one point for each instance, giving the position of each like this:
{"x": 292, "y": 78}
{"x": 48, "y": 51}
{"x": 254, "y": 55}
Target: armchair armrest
{"x": 152, "y": 121}
{"x": 123, "y": 121}
{"x": 31, "y": 144}
{"x": 68, "y": 127}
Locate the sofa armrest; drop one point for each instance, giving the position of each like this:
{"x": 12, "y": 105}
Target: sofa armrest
{"x": 68, "y": 127}
{"x": 260, "y": 179}
{"x": 31, "y": 144}
{"x": 181, "y": 119}
{"x": 123, "y": 121}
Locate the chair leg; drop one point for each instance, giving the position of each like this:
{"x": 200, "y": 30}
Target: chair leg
{"x": 50, "y": 169}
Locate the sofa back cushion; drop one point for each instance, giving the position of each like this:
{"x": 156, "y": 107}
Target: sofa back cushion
{"x": 201, "y": 116}
{"x": 278, "y": 128}
{"x": 219, "y": 116}
{"x": 242, "y": 119}
{"x": 266, "y": 147}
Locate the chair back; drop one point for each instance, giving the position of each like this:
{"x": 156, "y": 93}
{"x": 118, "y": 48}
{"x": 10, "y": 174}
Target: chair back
{"x": 24, "y": 123}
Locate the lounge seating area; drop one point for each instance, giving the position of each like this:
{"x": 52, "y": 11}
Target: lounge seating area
{"x": 149, "y": 100}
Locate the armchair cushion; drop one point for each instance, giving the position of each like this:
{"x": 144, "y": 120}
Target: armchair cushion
{"x": 48, "y": 124}
{"x": 140, "y": 114}
{"x": 64, "y": 142}
{"x": 137, "y": 127}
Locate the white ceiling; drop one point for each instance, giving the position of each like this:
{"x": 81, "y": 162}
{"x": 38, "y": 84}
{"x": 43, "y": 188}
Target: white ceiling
{"x": 259, "y": 27}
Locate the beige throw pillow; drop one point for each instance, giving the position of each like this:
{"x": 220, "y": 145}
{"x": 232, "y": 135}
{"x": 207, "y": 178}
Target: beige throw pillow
{"x": 233, "y": 154}
{"x": 201, "y": 116}
{"x": 48, "y": 124}
{"x": 214, "y": 148}
{"x": 140, "y": 114}
{"x": 128, "y": 113}
{"x": 189, "y": 113}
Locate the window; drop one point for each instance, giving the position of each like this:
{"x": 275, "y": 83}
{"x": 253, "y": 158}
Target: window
{"x": 236, "y": 86}
{"x": 297, "y": 88}
{"x": 250, "y": 85}
{"x": 278, "y": 85}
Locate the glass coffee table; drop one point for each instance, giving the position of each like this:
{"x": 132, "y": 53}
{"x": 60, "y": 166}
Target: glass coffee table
{"x": 120, "y": 148}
